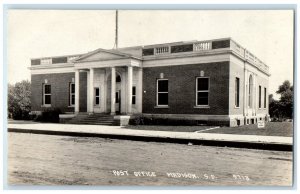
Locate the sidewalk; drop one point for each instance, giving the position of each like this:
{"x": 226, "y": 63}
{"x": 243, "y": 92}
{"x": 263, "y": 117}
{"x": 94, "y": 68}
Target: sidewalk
{"x": 118, "y": 132}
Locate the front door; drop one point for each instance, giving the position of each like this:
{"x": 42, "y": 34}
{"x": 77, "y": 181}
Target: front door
{"x": 118, "y": 101}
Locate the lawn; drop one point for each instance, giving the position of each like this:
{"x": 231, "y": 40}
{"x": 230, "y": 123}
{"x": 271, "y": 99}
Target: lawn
{"x": 272, "y": 129}
{"x": 168, "y": 128}
{"x": 284, "y": 129}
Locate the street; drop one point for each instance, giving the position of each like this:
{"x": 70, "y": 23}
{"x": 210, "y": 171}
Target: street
{"x": 62, "y": 160}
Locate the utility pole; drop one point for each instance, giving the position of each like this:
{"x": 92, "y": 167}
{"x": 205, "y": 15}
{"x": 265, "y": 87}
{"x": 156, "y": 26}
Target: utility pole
{"x": 116, "y": 36}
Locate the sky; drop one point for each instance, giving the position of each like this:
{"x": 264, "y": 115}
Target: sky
{"x": 268, "y": 34}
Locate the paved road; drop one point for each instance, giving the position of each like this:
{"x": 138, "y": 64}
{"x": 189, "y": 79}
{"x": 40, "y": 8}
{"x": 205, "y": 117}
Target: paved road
{"x": 60, "y": 160}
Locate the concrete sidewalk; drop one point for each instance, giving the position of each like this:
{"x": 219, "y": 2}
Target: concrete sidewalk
{"x": 118, "y": 132}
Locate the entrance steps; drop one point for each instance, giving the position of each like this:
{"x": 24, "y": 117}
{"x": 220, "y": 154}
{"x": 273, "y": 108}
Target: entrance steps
{"x": 92, "y": 119}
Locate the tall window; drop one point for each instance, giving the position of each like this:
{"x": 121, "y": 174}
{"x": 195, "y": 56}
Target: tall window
{"x": 162, "y": 92}
{"x": 97, "y": 96}
{"x": 259, "y": 97}
{"x": 72, "y": 94}
{"x": 202, "y": 87}
{"x": 237, "y": 92}
{"x": 47, "y": 94}
{"x": 133, "y": 94}
{"x": 265, "y": 97}
{"x": 250, "y": 91}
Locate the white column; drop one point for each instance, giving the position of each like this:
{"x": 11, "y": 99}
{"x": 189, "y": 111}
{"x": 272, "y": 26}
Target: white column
{"x": 113, "y": 91}
{"x": 129, "y": 90}
{"x": 91, "y": 91}
{"x": 76, "y": 91}
{"x": 87, "y": 91}
{"x": 139, "y": 91}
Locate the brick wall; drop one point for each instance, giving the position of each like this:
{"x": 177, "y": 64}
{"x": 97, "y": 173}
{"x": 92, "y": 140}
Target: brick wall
{"x": 59, "y": 91}
{"x": 182, "y": 85}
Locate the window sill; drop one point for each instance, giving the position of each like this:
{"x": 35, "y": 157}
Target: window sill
{"x": 72, "y": 106}
{"x": 204, "y": 106}
{"x": 162, "y": 106}
{"x": 46, "y": 106}
{"x": 237, "y": 107}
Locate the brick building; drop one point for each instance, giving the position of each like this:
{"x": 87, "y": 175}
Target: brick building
{"x": 214, "y": 81}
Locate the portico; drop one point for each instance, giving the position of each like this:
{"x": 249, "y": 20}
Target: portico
{"x": 112, "y": 83}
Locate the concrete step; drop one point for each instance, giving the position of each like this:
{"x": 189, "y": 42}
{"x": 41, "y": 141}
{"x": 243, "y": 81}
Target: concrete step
{"x": 92, "y": 119}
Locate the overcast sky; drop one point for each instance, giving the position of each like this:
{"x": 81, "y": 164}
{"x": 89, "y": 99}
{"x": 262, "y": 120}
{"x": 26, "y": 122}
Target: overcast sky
{"x": 39, "y": 33}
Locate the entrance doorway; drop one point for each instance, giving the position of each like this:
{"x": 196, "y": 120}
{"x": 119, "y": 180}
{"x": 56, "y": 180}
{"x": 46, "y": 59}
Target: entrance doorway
{"x": 118, "y": 94}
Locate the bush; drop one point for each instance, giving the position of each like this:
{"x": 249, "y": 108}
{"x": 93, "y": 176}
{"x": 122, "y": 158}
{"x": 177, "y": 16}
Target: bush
{"x": 19, "y": 104}
{"x": 50, "y": 115}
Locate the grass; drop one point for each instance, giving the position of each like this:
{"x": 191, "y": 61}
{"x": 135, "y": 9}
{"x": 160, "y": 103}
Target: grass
{"x": 168, "y": 128}
{"x": 284, "y": 129}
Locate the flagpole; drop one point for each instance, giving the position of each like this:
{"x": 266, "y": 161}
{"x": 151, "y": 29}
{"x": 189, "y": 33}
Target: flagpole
{"x": 116, "y": 36}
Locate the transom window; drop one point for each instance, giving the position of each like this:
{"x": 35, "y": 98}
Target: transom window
{"x": 118, "y": 79}
{"x": 47, "y": 94}
{"x": 72, "y": 94}
{"x": 97, "y": 96}
{"x": 202, "y": 91}
{"x": 162, "y": 92}
{"x": 133, "y": 94}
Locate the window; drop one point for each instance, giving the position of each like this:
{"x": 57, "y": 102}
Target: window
{"x": 237, "y": 92}
{"x": 259, "y": 97}
{"x": 162, "y": 92}
{"x": 265, "y": 97}
{"x": 202, "y": 90}
{"x": 133, "y": 94}
{"x": 47, "y": 94}
{"x": 97, "y": 96}
{"x": 72, "y": 94}
{"x": 117, "y": 100}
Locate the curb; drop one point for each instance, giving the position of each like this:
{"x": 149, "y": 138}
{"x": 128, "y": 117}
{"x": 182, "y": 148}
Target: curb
{"x": 217, "y": 143}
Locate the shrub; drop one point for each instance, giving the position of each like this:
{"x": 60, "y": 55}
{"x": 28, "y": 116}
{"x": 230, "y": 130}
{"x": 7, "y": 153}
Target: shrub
{"x": 49, "y": 115}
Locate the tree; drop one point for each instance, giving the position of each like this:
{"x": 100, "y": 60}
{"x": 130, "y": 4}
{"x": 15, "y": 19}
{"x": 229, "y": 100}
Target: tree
{"x": 286, "y": 98}
{"x": 284, "y": 107}
{"x": 19, "y": 104}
